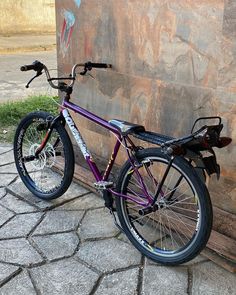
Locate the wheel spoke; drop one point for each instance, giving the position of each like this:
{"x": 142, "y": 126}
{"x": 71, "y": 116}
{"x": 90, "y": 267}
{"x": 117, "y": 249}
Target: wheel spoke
{"x": 173, "y": 224}
{"x": 44, "y": 174}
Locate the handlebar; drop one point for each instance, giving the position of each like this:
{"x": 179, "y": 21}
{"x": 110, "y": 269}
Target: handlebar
{"x": 39, "y": 67}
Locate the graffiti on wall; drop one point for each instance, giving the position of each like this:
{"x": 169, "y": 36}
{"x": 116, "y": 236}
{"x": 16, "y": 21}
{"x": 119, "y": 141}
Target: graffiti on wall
{"x": 67, "y": 28}
{"x": 66, "y": 31}
{"x": 77, "y": 2}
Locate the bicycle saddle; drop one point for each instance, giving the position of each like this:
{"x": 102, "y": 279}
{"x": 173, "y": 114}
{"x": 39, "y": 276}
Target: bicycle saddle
{"x": 126, "y": 127}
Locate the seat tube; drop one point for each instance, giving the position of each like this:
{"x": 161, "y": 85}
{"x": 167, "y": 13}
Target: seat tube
{"x": 112, "y": 159}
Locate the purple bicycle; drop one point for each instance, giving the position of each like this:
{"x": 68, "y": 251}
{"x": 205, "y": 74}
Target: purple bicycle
{"x": 160, "y": 195}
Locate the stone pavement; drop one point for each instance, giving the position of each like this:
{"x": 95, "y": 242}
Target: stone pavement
{"x": 17, "y": 50}
{"x": 13, "y": 81}
{"x": 70, "y": 246}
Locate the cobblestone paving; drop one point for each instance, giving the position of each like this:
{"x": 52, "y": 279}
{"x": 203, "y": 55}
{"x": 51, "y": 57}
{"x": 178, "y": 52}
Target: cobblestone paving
{"x": 71, "y": 246}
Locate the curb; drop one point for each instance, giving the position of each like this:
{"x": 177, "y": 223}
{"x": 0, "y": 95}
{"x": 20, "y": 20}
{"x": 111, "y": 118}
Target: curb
{"x": 5, "y": 51}
{"x": 27, "y": 43}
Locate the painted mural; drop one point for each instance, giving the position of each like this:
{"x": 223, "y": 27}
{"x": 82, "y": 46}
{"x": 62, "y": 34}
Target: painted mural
{"x": 78, "y": 3}
{"x": 66, "y": 31}
{"x": 173, "y": 61}
{"x": 69, "y": 20}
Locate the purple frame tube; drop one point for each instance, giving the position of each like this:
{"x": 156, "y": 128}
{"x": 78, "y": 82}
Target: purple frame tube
{"x": 91, "y": 117}
{"x": 105, "y": 124}
{"x": 92, "y": 165}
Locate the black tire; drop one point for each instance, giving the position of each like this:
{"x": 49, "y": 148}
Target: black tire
{"x": 180, "y": 227}
{"x": 51, "y": 174}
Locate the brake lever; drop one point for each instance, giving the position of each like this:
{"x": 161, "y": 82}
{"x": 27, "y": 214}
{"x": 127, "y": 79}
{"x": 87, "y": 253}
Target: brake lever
{"x": 87, "y": 67}
{"x": 83, "y": 73}
{"x": 37, "y": 75}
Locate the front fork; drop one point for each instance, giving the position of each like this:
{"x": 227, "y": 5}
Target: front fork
{"x": 51, "y": 121}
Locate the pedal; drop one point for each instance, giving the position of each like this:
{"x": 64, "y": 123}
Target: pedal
{"x": 103, "y": 185}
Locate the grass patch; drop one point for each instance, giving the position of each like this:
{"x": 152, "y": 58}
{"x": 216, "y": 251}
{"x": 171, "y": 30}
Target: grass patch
{"x": 12, "y": 112}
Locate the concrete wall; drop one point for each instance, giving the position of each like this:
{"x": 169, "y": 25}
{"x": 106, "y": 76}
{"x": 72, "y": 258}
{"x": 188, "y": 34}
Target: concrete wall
{"x": 173, "y": 62}
{"x": 27, "y": 16}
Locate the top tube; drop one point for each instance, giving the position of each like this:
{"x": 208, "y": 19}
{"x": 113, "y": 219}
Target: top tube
{"x": 83, "y": 112}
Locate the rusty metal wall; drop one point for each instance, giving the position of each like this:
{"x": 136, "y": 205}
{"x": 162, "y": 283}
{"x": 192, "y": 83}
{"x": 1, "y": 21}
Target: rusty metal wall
{"x": 173, "y": 62}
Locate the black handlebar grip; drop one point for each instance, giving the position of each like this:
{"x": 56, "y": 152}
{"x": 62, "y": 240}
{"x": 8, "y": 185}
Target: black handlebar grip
{"x": 27, "y": 68}
{"x": 36, "y": 66}
{"x": 98, "y": 65}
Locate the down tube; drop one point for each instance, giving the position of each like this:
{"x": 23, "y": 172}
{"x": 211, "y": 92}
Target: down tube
{"x": 82, "y": 145}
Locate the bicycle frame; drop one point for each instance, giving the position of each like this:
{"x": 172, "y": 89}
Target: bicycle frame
{"x": 87, "y": 155}
{"x": 151, "y": 179}
{"x": 38, "y": 67}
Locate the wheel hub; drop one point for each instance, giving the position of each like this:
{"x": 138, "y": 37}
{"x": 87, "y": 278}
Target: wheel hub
{"x": 46, "y": 158}
{"x": 148, "y": 210}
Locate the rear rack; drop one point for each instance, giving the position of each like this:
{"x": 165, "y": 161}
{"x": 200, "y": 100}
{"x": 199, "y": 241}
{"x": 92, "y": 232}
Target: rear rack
{"x": 153, "y": 137}
{"x": 164, "y": 140}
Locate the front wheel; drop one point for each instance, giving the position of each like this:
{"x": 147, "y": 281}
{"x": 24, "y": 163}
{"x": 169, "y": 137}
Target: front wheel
{"x": 49, "y": 175}
{"x": 180, "y": 225}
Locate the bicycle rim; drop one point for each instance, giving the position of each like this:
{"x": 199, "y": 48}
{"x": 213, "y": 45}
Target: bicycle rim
{"x": 173, "y": 229}
{"x": 45, "y": 175}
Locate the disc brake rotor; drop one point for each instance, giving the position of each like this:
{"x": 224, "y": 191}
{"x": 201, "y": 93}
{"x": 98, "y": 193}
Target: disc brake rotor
{"x": 50, "y": 155}
{"x": 39, "y": 163}
{"x": 46, "y": 158}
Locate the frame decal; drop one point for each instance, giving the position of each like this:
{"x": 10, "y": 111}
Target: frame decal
{"x": 77, "y": 136}
{"x": 66, "y": 31}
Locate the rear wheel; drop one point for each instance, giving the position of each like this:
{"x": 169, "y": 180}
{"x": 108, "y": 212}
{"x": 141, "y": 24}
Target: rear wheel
{"x": 180, "y": 225}
{"x": 50, "y": 174}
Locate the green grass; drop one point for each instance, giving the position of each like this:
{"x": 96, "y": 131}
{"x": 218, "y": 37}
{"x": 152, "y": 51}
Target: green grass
{"x": 12, "y": 112}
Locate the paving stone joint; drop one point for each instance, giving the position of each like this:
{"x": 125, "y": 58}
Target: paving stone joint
{"x": 71, "y": 246}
